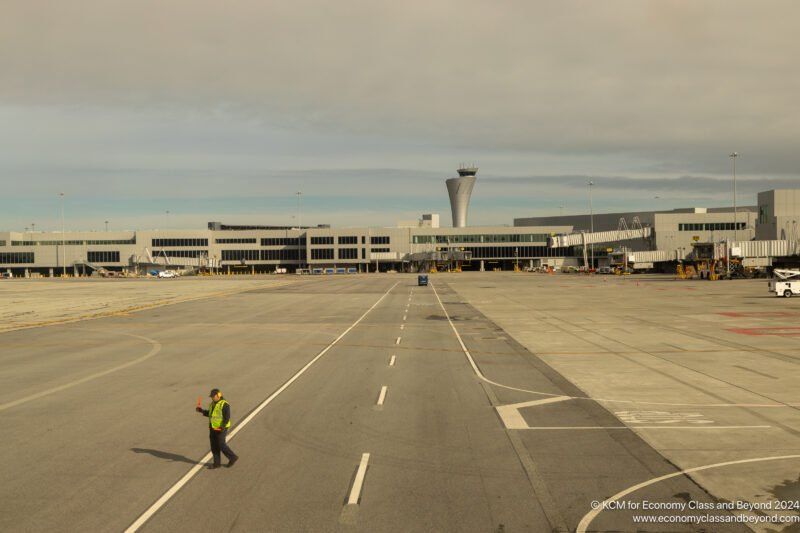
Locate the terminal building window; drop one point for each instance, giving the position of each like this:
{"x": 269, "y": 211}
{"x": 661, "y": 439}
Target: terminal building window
{"x": 283, "y": 241}
{"x": 16, "y": 258}
{"x": 321, "y": 253}
{"x": 322, "y": 240}
{"x": 348, "y": 253}
{"x": 520, "y": 252}
{"x": 238, "y": 255}
{"x": 380, "y": 250}
{"x": 379, "y": 240}
{"x": 711, "y": 226}
{"x": 487, "y": 238}
{"x": 348, "y": 240}
{"x": 285, "y": 254}
{"x": 102, "y": 257}
{"x": 236, "y": 241}
{"x": 2, "y": 243}
{"x": 180, "y": 253}
{"x": 180, "y": 242}
{"x": 73, "y": 243}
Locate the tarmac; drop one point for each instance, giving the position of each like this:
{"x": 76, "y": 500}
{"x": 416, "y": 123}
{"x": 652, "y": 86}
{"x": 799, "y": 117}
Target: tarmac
{"x": 491, "y": 402}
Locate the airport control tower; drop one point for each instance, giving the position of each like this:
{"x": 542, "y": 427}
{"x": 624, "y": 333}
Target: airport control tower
{"x": 460, "y": 189}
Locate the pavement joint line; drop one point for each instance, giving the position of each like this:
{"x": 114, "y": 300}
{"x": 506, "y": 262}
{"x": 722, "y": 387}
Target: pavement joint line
{"x": 392, "y": 360}
{"x": 587, "y": 519}
{"x": 155, "y": 348}
{"x": 382, "y": 395}
{"x": 358, "y": 482}
{"x": 606, "y": 400}
{"x": 195, "y": 469}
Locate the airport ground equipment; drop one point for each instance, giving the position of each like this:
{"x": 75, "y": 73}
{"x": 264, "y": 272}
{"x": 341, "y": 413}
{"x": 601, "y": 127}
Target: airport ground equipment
{"x": 786, "y": 283}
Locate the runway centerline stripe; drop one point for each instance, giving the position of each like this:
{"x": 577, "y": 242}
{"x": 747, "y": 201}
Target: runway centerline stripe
{"x": 355, "y": 492}
{"x": 397, "y": 341}
{"x": 156, "y": 347}
{"x": 382, "y": 395}
{"x": 195, "y": 469}
{"x": 391, "y": 361}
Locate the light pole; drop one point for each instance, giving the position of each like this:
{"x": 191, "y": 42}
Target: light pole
{"x": 167, "y": 227}
{"x": 299, "y": 224}
{"x": 106, "y": 226}
{"x": 591, "y": 222}
{"x": 63, "y": 240}
{"x": 733, "y": 156}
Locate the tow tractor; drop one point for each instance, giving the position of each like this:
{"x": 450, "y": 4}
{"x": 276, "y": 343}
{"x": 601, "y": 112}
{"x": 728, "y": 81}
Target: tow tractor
{"x": 786, "y": 283}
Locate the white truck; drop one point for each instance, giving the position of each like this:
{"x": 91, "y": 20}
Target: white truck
{"x": 786, "y": 283}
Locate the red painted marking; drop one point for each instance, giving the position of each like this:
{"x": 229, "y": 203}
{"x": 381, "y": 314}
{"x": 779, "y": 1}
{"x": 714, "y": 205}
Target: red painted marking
{"x": 786, "y": 332}
{"x": 765, "y": 314}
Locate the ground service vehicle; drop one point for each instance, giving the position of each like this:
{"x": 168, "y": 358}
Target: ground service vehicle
{"x": 786, "y": 283}
{"x": 422, "y": 279}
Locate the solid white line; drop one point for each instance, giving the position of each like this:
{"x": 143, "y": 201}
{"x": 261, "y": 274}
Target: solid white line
{"x": 512, "y": 418}
{"x": 587, "y": 519}
{"x": 355, "y": 492}
{"x": 391, "y": 361}
{"x": 195, "y": 469}
{"x": 382, "y": 395}
{"x": 397, "y": 341}
{"x": 643, "y": 427}
{"x": 156, "y": 347}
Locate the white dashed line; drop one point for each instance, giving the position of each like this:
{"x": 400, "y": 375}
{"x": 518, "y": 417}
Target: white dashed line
{"x": 391, "y": 361}
{"x": 402, "y": 326}
{"x": 195, "y": 469}
{"x": 397, "y": 341}
{"x": 382, "y": 395}
{"x": 355, "y": 492}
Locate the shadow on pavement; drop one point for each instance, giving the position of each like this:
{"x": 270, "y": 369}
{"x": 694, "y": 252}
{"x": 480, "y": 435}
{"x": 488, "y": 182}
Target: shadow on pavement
{"x": 166, "y": 455}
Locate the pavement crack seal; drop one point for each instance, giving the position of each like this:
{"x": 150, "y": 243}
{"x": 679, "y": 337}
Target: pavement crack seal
{"x": 155, "y": 507}
{"x": 155, "y": 348}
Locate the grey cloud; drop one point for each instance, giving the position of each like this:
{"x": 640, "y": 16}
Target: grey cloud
{"x": 566, "y": 77}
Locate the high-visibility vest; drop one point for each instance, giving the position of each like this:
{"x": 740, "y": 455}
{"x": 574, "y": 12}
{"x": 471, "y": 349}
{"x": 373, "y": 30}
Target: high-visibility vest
{"x": 215, "y": 415}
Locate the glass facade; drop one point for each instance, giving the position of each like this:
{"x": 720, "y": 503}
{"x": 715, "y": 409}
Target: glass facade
{"x": 16, "y": 258}
{"x": 236, "y": 241}
{"x": 102, "y": 257}
{"x": 322, "y": 240}
{"x": 379, "y": 240}
{"x": 180, "y": 242}
{"x": 352, "y": 239}
{"x": 488, "y": 238}
{"x": 711, "y": 226}
{"x": 348, "y": 253}
{"x": 283, "y": 241}
{"x": 180, "y": 253}
{"x": 238, "y": 255}
{"x": 322, "y": 253}
{"x": 284, "y": 254}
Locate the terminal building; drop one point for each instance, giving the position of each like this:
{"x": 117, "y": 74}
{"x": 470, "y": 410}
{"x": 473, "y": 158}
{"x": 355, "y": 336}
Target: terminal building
{"x": 763, "y": 235}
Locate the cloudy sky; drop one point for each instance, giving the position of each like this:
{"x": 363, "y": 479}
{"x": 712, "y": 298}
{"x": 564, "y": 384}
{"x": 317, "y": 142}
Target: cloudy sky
{"x": 224, "y": 110}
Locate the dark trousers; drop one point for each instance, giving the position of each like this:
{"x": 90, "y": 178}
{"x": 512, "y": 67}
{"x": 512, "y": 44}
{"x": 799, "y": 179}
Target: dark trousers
{"x": 218, "y": 445}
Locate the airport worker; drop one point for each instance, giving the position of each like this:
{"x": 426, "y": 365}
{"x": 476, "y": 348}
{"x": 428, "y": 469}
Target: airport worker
{"x": 219, "y": 420}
